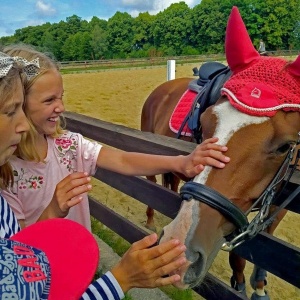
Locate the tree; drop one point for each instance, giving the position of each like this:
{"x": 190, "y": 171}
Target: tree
{"x": 74, "y": 24}
{"x": 99, "y": 42}
{"x": 143, "y": 36}
{"x": 95, "y": 21}
{"x": 120, "y": 34}
{"x": 295, "y": 38}
{"x": 48, "y": 43}
{"x": 59, "y": 34}
{"x": 172, "y": 29}
{"x": 77, "y": 47}
{"x": 280, "y": 22}
{"x": 32, "y": 34}
{"x": 209, "y": 25}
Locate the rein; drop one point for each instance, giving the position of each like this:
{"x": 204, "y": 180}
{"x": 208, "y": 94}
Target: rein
{"x": 245, "y": 230}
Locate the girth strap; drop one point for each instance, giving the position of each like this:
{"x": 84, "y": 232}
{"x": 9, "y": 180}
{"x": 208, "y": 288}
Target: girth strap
{"x": 193, "y": 190}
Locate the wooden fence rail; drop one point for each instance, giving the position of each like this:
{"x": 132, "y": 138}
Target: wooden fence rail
{"x": 158, "y": 60}
{"x": 275, "y": 255}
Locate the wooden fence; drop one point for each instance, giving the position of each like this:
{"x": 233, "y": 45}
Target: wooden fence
{"x": 275, "y": 255}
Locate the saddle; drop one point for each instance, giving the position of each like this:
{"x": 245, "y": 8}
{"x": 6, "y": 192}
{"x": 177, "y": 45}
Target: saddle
{"x": 212, "y": 76}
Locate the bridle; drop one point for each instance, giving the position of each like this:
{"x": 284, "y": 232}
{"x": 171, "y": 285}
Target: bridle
{"x": 245, "y": 230}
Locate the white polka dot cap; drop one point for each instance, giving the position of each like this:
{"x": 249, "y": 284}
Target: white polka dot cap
{"x": 30, "y": 68}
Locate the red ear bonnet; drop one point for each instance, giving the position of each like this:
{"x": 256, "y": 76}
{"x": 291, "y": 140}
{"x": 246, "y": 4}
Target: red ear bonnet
{"x": 260, "y": 85}
{"x": 238, "y": 46}
{"x": 294, "y": 67}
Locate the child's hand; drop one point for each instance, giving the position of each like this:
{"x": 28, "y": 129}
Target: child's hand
{"x": 142, "y": 266}
{"x": 207, "y": 153}
{"x": 68, "y": 193}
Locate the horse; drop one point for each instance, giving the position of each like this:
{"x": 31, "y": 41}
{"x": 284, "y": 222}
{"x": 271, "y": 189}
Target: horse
{"x": 257, "y": 117}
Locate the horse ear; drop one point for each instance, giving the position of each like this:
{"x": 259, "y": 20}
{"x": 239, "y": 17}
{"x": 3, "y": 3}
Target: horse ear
{"x": 294, "y": 67}
{"x": 238, "y": 46}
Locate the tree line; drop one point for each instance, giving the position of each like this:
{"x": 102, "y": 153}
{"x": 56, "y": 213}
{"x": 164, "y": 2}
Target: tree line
{"x": 178, "y": 30}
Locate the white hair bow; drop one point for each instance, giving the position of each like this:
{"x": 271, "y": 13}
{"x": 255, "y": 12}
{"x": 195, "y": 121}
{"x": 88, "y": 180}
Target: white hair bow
{"x": 30, "y": 68}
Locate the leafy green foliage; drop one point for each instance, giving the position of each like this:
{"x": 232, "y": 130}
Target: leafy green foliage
{"x": 120, "y": 35}
{"x": 178, "y": 30}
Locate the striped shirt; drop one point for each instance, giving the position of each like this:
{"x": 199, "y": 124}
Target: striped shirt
{"x": 8, "y": 222}
{"x": 104, "y": 288}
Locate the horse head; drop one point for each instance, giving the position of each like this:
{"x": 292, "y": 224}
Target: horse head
{"x": 258, "y": 118}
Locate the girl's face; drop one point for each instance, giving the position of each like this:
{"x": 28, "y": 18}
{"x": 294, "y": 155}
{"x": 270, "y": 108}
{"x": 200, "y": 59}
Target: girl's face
{"x": 12, "y": 124}
{"x": 44, "y": 103}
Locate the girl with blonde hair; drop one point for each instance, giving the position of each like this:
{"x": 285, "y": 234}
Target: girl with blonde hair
{"x": 52, "y": 166}
{"x": 141, "y": 266}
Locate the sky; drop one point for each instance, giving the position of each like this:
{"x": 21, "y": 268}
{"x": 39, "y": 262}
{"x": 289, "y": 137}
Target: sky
{"x": 22, "y": 13}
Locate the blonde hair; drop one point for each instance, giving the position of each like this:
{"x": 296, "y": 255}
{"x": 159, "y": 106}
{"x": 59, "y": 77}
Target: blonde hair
{"x": 26, "y": 149}
{"x": 8, "y": 88}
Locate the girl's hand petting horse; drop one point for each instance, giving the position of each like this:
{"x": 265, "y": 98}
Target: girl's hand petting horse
{"x": 208, "y": 153}
{"x": 142, "y": 266}
{"x": 68, "y": 193}
{"x": 133, "y": 163}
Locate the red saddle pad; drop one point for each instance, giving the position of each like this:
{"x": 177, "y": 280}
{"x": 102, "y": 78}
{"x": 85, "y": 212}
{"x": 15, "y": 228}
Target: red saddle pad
{"x": 181, "y": 110}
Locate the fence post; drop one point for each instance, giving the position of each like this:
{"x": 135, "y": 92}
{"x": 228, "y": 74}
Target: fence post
{"x": 170, "y": 69}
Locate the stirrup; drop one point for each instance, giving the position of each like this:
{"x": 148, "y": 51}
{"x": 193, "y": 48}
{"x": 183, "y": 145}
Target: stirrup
{"x": 240, "y": 287}
{"x": 254, "y": 296}
{"x": 258, "y": 274}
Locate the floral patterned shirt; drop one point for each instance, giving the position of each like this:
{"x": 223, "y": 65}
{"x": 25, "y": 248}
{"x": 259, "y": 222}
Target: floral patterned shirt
{"x": 35, "y": 183}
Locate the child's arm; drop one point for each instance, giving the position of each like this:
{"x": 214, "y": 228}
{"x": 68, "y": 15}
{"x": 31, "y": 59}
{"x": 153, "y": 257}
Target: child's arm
{"x": 132, "y": 163}
{"x": 144, "y": 267}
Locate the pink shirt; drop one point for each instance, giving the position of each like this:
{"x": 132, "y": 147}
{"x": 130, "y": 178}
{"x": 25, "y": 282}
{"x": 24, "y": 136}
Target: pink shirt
{"x": 35, "y": 183}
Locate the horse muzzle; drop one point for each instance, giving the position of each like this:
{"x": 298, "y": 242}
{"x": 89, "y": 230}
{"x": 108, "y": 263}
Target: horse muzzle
{"x": 193, "y": 271}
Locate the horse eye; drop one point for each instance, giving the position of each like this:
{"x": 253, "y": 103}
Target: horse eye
{"x": 283, "y": 148}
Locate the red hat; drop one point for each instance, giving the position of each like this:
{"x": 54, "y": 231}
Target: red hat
{"x": 259, "y": 85}
{"x": 52, "y": 259}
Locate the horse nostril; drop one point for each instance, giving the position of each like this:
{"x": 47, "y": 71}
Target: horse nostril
{"x": 196, "y": 270}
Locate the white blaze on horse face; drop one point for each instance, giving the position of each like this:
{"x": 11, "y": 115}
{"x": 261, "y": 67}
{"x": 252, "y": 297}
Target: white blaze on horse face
{"x": 188, "y": 219}
{"x": 229, "y": 121}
